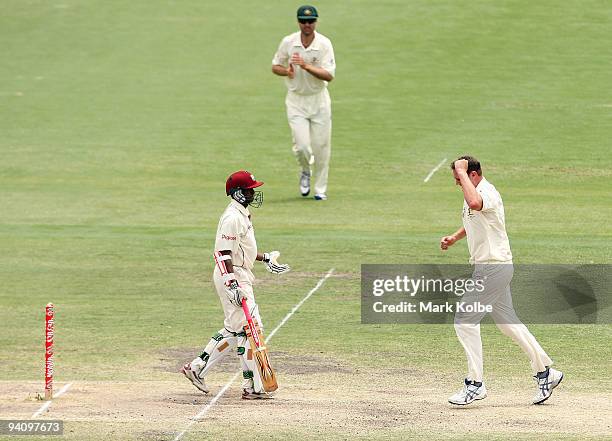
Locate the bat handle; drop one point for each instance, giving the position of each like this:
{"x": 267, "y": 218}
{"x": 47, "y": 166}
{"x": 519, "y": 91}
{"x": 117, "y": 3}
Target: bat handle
{"x": 245, "y": 308}
{"x": 251, "y": 324}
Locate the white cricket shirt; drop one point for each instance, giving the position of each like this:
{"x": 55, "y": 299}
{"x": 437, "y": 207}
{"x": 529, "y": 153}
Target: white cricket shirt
{"x": 320, "y": 53}
{"x": 235, "y": 233}
{"x": 486, "y": 229}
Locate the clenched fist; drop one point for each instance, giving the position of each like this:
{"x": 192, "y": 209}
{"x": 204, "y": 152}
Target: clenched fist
{"x": 461, "y": 165}
{"x": 447, "y": 241}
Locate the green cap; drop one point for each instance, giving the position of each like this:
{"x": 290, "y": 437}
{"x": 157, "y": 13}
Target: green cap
{"x": 305, "y": 12}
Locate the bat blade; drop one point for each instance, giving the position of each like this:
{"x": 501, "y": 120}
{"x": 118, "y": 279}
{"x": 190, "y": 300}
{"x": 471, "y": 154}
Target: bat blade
{"x": 262, "y": 360}
{"x": 260, "y": 352}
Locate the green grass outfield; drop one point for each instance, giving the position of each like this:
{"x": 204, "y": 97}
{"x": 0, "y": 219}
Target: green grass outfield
{"x": 120, "y": 121}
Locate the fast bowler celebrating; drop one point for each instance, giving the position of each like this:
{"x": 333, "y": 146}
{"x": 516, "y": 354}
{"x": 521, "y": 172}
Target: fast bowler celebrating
{"x": 306, "y": 59}
{"x": 485, "y": 228}
{"x": 235, "y": 254}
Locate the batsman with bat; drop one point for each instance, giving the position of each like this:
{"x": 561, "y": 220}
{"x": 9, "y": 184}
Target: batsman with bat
{"x": 235, "y": 253}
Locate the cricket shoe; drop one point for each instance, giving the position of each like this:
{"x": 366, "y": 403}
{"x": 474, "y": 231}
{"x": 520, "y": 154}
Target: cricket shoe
{"x": 320, "y": 197}
{"x": 305, "y": 183}
{"x": 547, "y": 381}
{"x": 248, "y": 394}
{"x": 193, "y": 377}
{"x": 469, "y": 393}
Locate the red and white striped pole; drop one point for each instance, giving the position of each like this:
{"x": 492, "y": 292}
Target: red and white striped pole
{"x": 49, "y": 331}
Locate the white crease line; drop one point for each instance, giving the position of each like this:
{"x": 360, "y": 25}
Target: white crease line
{"x": 435, "y": 169}
{"x": 42, "y": 409}
{"x": 206, "y": 408}
{"x": 296, "y": 307}
{"x": 45, "y": 406}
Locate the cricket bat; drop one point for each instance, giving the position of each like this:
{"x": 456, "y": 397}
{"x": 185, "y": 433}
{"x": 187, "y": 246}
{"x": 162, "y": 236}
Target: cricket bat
{"x": 260, "y": 352}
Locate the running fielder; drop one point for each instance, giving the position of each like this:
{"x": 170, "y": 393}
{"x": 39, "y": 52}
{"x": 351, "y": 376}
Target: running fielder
{"x": 235, "y": 254}
{"x": 485, "y": 228}
{"x": 306, "y": 59}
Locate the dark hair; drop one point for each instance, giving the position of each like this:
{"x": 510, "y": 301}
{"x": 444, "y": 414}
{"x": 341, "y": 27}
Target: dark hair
{"x": 473, "y": 164}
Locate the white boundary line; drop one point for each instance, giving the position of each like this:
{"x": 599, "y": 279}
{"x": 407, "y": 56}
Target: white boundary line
{"x": 212, "y": 402}
{"x": 435, "y": 169}
{"x": 45, "y": 406}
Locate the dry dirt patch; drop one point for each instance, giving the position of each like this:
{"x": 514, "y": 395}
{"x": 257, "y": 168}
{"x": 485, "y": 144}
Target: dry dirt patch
{"x": 172, "y": 359}
{"x": 329, "y": 402}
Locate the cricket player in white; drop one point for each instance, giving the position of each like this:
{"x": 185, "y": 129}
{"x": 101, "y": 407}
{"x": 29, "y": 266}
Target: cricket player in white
{"x": 306, "y": 59}
{"x": 235, "y": 254}
{"x": 484, "y": 226}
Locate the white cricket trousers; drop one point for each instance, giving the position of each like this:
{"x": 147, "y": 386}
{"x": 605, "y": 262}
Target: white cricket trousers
{"x": 496, "y": 293}
{"x": 232, "y": 335}
{"x": 309, "y": 117}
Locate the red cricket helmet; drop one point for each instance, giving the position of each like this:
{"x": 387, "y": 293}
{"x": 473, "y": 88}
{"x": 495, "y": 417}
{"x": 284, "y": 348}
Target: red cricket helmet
{"x": 241, "y": 179}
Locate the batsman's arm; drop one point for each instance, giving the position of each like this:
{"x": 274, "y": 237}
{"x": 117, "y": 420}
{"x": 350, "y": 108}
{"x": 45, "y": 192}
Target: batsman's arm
{"x": 224, "y": 263}
{"x": 448, "y": 241}
{"x": 228, "y": 261}
{"x": 265, "y": 257}
{"x": 271, "y": 263}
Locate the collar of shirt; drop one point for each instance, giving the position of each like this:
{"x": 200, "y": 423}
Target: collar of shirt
{"x": 297, "y": 41}
{"x": 241, "y": 208}
{"x": 483, "y": 181}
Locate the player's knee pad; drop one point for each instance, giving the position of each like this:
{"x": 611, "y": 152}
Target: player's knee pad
{"x": 250, "y": 373}
{"x": 220, "y": 341}
{"x": 218, "y": 346}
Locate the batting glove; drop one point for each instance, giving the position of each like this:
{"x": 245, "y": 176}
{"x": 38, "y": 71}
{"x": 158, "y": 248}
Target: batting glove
{"x": 235, "y": 294}
{"x": 270, "y": 261}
